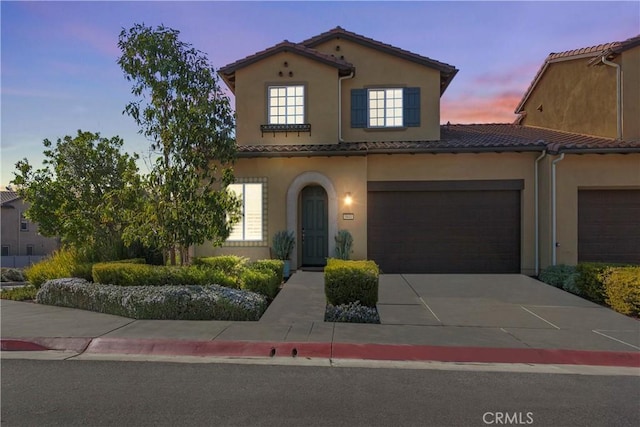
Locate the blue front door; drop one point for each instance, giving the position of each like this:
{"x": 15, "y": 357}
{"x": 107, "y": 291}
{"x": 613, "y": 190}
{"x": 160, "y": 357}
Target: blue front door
{"x": 314, "y": 226}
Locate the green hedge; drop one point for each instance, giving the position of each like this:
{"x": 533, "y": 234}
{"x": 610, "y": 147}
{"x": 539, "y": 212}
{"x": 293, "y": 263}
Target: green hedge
{"x": 622, "y": 289}
{"x": 22, "y": 293}
{"x": 561, "y": 276}
{"x": 230, "y": 264}
{"x": 350, "y": 281}
{"x": 62, "y": 263}
{"x": 265, "y": 282}
{"x": 123, "y": 274}
{"x": 590, "y": 280}
{"x": 155, "y": 302}
{"x": 275, "y": 265}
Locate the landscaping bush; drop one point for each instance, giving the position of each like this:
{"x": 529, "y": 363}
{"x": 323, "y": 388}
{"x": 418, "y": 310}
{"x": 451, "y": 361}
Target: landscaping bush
{"x": 23, "y": 293}
{"x": 275, "y": 265}
{"x": 351, "y": 313}
{"x": 123, "y": 274}
{"x": 131, "y": 261}
{"x": 263, "y": 281}
{"x": 62, "y": 263}
{"x": 230, "y": 264}
{"x": 622, "y": 289}
{"x": 590, "y": 280}
{"x": 350, "y": 281}
{"x": 12, "y": 275}
{"x": 154, "y": 302}
{"x": 561, "y": 276}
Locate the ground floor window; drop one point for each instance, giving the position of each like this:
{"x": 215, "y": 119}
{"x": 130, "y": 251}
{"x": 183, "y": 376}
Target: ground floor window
{"x": 251, "y": 225}
{"x": 5, "y": 250}
{"x": 29, "y": 250}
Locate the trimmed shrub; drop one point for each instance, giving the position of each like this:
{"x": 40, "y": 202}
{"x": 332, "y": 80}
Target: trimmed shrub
{"x": 264, "y": 281}
{"x": 62, "y": 263}
{"x": 350, "y": 281}
{"x": 23, "y": 293}
{"x": 12, "y": 275}
{"x": 590, "y": 280}
{"x": 123, "y": 274}
{"x": 561, "y": 276}
{"x": 230, "y": 264}
{"x": 275, "y": 265}
{"x": 155, "y": 302}
{"x": 131, "y": 261}
{"x": 622, "y": 289}
{"x": 351, "y": 313}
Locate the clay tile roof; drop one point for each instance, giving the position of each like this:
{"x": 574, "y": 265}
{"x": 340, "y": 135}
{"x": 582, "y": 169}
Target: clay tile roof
{"x": 227, "y": 72}
{"x": 8, "y": 196}
{"x": 447, "y": 72}
{"x": 472, "y": 138}
{"x": 606, "y": 49}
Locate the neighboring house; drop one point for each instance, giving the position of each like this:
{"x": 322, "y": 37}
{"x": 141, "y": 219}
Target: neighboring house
{"x": 20, "y": 236}
{"x": 343, "y": 132}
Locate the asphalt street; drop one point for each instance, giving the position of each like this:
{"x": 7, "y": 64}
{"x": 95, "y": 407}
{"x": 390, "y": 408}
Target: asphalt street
{"x": 106, "y": 393}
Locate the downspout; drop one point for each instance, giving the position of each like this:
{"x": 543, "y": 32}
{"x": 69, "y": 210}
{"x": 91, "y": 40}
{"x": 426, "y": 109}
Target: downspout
{"x": 536, "y": 211}
{"x": 554, "y": 226}
{"x": 618, "y": 94}
{"x": 340, "y": 79}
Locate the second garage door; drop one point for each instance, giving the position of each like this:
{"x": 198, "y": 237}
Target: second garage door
{"x": 444, "y": 226}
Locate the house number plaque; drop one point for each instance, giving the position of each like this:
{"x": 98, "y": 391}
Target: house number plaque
{"x": 348, "y": 216}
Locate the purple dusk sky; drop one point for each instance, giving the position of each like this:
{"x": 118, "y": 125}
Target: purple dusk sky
{"x": 59, "y": 70}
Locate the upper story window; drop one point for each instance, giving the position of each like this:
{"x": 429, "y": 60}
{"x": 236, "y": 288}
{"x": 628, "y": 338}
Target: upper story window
{"x": 5, "y": 250}
{"x": 385, "y": 108}
{"x": 377, "y": 108}
{"x": 286, "y": 105}
{"x": 24, "y": 224}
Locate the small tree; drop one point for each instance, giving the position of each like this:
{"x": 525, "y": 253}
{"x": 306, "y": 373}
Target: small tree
{"x": 190, "y": 124}
{"x": 82, "y": 192}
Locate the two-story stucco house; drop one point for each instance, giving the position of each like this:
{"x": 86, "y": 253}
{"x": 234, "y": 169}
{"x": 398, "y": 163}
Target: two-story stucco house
{"x": 343, "y": 132}
{"x": 20, "y": 237}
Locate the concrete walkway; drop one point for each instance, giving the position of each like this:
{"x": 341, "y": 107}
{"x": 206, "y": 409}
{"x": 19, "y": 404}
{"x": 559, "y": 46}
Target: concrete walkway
{"x": 501, "y": 318}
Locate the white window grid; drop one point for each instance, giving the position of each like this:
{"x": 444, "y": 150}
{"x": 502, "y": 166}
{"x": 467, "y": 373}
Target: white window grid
{"x": 385, "y": 108}
{"x": 250, "y": 227}
{"x": 286, "y": 105}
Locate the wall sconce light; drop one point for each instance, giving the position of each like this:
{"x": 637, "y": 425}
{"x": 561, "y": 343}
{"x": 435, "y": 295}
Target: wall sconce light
{"x": 348, "y": 199}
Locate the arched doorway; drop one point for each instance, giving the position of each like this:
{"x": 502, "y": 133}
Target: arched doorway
{"x": 294, "y": 202}
{"x": 314, "y": 226}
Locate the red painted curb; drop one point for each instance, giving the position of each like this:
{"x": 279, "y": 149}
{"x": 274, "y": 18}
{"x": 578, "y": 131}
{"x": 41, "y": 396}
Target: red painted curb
{"x": 209, "y": 348}
{"x": 484, "y": 355}
{"x": 20, "y": 345}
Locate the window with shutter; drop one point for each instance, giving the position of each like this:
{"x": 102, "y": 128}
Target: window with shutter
{"x": 358, "y": 108}
{"x": 385, "y": 107}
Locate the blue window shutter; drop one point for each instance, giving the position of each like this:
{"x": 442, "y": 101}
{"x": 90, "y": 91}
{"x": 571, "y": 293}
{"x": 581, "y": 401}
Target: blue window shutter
{"x": 358, "y": 108}
{"x": 411, "y": 106}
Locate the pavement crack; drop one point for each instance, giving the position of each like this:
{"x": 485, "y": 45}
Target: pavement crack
{"x": 515, "y": 338}
{"x": 119, "y": 327}
{"x": 421, "y": 299}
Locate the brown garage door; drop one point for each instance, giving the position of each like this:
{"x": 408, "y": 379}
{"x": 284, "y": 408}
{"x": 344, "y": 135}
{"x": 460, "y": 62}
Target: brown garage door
{"x": 609, "y": 226}
{"x": 445, "y": 226}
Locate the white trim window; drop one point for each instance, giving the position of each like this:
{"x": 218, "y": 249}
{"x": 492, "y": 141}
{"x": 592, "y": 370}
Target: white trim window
{"x": 250, "y": 227}
{"x": 385, "y": 108}
{"x": 286, "y": 105}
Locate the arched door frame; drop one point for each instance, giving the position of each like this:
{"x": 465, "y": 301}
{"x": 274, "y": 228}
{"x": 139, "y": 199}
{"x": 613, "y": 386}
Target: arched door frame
{"x": 301, "y": 181}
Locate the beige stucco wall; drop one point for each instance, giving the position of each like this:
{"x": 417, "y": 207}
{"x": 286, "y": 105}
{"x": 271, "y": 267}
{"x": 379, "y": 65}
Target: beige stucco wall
{"x": 350, "y": 174}
{"x": 489, "y": 166}
{"x": 347, "y": 174}
{"x": 321, "y": 106}
{"x": 631, "y": 94}
{"x": 378, "y": 69}
{"x": 17, "y": 239}
{"x": 575, "y": 172}
{"x": 575, "y": 97}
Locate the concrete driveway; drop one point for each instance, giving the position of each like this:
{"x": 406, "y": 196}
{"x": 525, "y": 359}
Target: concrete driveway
{"x": 502, "y": 308}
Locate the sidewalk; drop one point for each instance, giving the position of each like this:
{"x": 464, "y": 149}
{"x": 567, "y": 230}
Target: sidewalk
{"x": 453, "y": 318}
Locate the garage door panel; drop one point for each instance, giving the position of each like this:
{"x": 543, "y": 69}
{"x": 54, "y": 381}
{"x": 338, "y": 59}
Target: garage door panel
{"x": 445, "y": 231}
{"x": 609, "y": 226}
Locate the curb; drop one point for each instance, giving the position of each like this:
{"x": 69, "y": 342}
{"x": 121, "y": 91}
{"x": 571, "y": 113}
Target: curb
{"x": 326, "y": 350}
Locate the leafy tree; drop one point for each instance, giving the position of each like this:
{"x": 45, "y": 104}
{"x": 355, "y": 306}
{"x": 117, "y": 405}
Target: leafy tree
{"x": 82, "y": 192}
{"x": 181, "y": 109}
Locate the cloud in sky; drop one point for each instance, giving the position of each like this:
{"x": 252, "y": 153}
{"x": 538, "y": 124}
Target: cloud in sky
{"x": 496, "y": 108}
